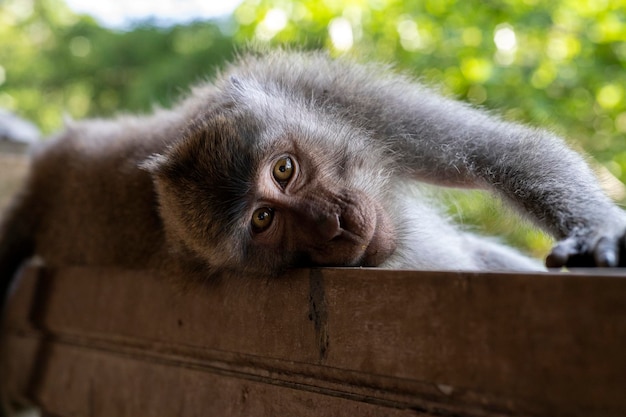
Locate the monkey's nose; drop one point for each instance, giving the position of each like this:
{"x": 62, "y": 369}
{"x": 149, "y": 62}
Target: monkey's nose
{"x": 328, "y": 226}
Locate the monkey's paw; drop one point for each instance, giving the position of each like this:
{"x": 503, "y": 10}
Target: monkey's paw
{"x": 591, "y": 249}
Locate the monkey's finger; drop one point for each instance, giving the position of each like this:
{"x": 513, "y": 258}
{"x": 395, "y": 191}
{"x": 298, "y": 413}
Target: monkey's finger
{"x": 606, "y": 253}
{"x": 561, "y": 252}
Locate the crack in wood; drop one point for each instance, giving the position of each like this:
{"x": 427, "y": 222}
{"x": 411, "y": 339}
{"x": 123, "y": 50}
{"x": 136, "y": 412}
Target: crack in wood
{"x": 318, "y": 312}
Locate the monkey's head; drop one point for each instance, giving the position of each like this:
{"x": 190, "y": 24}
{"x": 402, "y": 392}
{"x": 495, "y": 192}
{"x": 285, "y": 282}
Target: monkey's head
{"x": 245, "y": 194}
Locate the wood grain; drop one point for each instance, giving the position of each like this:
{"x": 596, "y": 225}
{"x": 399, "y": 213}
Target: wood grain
{"x": 106, "y": 342}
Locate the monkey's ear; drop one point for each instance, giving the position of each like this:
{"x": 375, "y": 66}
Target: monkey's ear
{"x": 154, "y": 164}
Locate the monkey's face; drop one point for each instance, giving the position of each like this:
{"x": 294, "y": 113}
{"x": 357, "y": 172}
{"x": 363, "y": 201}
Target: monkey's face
{"x": 243, "y": 197}
{"x": 304, "y": 207}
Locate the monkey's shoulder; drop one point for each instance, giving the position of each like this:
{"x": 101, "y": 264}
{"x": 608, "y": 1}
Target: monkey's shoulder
{"x": 93, "y": 202}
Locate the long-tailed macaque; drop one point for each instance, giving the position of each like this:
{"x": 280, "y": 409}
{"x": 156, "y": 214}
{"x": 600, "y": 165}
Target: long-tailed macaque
{"x": 295, "y": 159}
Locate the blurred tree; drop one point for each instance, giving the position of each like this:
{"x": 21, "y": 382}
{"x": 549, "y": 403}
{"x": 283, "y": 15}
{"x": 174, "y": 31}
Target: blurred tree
{"x": 53, "y": 62}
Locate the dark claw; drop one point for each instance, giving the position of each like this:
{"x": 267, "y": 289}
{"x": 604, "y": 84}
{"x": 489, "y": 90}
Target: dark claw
{"x": 556, "y": 259}
{"x": 561, "y": 254}
{"x": 575, "y": 252}
{"x": 582, "y": 260}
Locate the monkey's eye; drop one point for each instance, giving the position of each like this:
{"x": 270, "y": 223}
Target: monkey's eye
{"x": 262, "y": 219}
{"x": 283, "y": 169}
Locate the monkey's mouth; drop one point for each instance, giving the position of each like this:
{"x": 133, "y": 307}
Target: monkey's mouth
{"x": 359, "y": 243}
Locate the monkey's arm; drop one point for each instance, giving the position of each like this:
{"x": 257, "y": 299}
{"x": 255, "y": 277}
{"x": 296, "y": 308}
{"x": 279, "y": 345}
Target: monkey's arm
{"x": 444, "y": 141}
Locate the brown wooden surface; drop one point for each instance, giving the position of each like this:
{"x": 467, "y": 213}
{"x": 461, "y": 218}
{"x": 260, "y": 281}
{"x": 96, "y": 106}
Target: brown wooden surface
{"x": 325, "y": 342}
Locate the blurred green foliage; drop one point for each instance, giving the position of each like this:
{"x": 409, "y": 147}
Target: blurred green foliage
{"x": 559, "y": 64}
{"x": 53, "y": 62}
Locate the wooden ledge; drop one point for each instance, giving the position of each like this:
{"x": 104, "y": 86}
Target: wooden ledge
{"x": 320, "y": 342}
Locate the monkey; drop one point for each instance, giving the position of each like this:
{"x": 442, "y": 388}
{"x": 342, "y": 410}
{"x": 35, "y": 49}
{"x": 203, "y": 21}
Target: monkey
{"x": 296, "y": 159}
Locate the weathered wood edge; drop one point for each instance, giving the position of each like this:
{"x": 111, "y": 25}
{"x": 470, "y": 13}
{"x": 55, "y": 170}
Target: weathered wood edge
{"x": 433, "y": 342}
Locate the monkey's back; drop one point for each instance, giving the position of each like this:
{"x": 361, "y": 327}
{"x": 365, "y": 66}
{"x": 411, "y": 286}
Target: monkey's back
{"x": 88, "y": 202}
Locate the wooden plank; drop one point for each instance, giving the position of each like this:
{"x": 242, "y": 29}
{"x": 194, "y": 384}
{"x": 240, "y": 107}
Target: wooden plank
{"x": 81, "y": 381}
{"x": 349, "y": 340}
